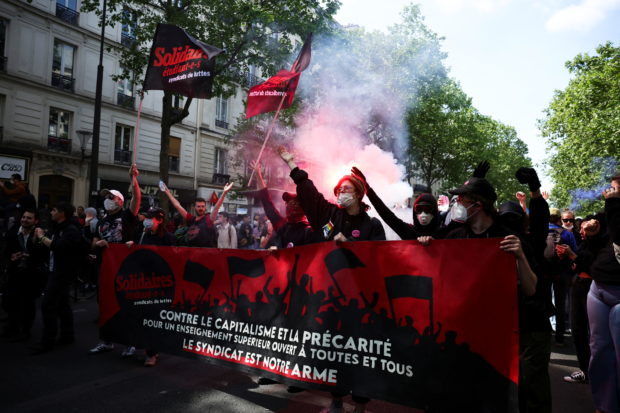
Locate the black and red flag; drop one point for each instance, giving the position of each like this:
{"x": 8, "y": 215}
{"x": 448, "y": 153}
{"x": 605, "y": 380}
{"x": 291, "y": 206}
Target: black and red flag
{"x": 180, "y": 64}
{"x": 279, "y": 91}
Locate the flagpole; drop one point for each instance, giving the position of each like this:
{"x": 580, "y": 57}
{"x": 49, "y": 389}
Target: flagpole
{"x": 135, "y": 136}
{"x": 273, "y": 122}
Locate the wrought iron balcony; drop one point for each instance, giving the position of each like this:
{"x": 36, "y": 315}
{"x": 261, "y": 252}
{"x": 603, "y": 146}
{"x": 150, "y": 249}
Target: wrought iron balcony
{"x": 127, "y": 39}
{"x": 62, "y": 82}
{"x": 125, "y": 101}
{"x": 220, "y": 179}
{"x": 3, "y": 64}
{"x": 69, "y": 15}
{"x": 221, "y": 123}
{"x": 122, "y": 157}
{"x": 57, "y": 144}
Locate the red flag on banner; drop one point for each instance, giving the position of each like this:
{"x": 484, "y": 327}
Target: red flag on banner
{"x": 180, "y": 64}
{"x": 266, "y": 97}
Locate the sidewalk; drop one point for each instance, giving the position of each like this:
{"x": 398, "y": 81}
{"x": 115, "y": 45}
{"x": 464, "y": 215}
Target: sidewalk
{"x": 69, "y": 380}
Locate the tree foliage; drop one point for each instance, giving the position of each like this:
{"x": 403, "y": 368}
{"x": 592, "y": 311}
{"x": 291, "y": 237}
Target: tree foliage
{"x": 582, "y": 129}
{"x": 448, "y": 137}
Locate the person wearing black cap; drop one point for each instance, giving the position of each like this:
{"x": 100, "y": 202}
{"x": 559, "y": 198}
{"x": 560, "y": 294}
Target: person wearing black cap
{"x": 426, "y": 220}
{"x": 293, "y": 229}
{"x": 154, "y": 234}
{"x": 475, "y": 204}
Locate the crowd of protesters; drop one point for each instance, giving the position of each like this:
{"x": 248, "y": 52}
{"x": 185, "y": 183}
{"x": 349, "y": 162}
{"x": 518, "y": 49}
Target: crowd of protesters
{"x": 567, "y": 266}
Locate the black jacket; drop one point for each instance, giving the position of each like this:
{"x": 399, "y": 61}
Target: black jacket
{"x": 298, "y": 233}
{"x": 66, "y": 248}
{"x": 328, "y": 219}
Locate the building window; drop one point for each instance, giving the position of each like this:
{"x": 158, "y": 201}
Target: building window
{"x": 2, "y": 100}
{"x": 66, "y": 10}
{"x": 221, "y": 113}
{"x": 220, "y": 161}
{"x": 58, "y": 132}
{"x": 174, "y": 154}
{"x": 122, "y": 143}
{"x": 128, "y": 29}
{"x": 62, "y": 66}
{"x": 124, "y": 93}
{"x": 3, "y": 27}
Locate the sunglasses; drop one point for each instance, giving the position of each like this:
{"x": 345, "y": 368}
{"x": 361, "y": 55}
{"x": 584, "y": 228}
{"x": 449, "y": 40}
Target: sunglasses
{"x": 568, "y": 220}
{"x": 424, "y": 208}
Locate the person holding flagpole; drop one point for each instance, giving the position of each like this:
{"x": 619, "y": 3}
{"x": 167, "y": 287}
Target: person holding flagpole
{"x": 345, "y": 221}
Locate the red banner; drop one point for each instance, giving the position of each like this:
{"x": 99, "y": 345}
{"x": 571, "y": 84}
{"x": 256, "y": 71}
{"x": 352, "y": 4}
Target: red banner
{"x": 267, "y": 96}
{"x": 431, "y": 327}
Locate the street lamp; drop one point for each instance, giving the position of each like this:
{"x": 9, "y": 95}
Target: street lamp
{"x": 84, "y": 136}
{"x": 94, "y": 157}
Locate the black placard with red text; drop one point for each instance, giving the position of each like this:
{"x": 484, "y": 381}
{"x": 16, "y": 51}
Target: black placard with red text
{"x": 430, "y": 327}
{"x": 180, "y": 64}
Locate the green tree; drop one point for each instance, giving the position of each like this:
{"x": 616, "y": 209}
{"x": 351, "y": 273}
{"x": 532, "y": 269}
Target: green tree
{"x": 261, "y": 34}
{"x": 448, "y": 137}
{"x": 582, "y": 129}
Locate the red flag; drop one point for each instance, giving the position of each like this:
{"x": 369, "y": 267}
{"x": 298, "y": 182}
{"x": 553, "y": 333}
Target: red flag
{"x": 267, "y": 96}
{"x": 213, "y": 198}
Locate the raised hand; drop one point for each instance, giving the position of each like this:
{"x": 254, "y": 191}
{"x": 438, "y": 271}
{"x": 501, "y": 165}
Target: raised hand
{"x": 481, "y": 170}
{"x": 228, "y": 186}
{"x": 357, "y": 172}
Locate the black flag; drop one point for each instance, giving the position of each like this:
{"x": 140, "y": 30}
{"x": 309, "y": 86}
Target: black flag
{"x": 413, "y": 286}
{"x": 198, "y": 273}
{"x": 305, "y": 54}
{"x": 180, "y": 64}
{"x": 342, "y": 258}
{"x": 249, "y": 268}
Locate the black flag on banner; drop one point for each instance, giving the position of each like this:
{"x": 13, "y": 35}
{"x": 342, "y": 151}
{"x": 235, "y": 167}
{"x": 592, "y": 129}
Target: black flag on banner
{"x": 402, "y": 286}
{"x": 180, "y": 64}
{"x": 198, "y": 274}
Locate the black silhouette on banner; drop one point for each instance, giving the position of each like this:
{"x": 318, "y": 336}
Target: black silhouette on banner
{"x": 322, "y": 317}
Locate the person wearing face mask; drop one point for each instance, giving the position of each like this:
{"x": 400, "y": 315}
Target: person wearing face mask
{"x": 117, "y": 226}
{"x": 154, "y": 233}
{"x": 426, "y": 220}
{"x": 345, "y": 221}
{"x": 292, "y": 229}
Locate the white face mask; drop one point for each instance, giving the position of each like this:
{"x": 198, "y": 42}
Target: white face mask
{"x": 568, "y": 226}
{"x": 345, "y": 200}
{"x": 110, "y": 204}
{"x": 458, "y": 212}
{"x": 147, "y": 223}
{"x": 424, "y": 218}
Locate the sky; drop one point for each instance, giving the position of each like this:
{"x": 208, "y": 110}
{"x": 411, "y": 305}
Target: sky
{"x": 508, "y": 55}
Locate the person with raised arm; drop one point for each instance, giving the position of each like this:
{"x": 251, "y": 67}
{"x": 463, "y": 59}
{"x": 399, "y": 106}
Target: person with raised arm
{"x": 201, "y": 230}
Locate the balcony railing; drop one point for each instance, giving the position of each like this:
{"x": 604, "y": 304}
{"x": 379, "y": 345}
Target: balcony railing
{"x": 57, "y": 144}
{"x": 220, "y": 179}
{"x": 62, "y": 82}
{"x": 69, "y": 15}
{"x": 127, "y": 40}
{"x": 221, "y": 123}
{"x": 3, "y": 64}
{"x": 125, "y": 101}
{"x": 122, "y": 157}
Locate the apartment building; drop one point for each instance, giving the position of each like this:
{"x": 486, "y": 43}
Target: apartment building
{"x": 49, "y": 53}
